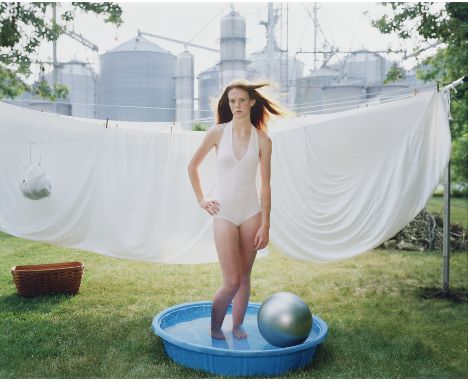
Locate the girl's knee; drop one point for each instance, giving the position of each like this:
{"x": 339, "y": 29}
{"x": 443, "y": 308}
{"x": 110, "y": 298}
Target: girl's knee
{"x": 233, "y": 282}
{"x": 245, "y": 279}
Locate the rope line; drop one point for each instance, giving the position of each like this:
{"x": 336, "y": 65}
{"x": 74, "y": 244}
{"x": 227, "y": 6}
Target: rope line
{"x": 112, "y": 130}
{"x": 375, "y": 93}
{"x": 310, "y": 110}
{"x": 296, "y": 106}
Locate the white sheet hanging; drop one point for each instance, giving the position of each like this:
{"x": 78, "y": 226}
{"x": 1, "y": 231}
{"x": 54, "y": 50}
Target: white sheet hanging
{"x": 341, "y": 183}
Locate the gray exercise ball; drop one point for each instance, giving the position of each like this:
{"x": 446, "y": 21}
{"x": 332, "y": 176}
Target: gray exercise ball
{"x": 284, "y": 320}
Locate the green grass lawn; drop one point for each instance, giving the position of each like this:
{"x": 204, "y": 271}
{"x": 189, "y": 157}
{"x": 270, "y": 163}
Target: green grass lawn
{"x": 380, "y": 326}
{"x": 458, "y": 209}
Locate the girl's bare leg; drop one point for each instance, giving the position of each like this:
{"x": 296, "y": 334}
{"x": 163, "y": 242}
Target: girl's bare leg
{"x": 226, "y": 237}
{"x": 247, "y": 232}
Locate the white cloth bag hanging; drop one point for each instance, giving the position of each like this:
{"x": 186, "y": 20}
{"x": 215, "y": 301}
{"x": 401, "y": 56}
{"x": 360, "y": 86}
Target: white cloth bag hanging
{"x": 35, "y": 184}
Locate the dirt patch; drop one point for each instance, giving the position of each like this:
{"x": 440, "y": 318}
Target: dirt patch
{"x": 457, "y": 295}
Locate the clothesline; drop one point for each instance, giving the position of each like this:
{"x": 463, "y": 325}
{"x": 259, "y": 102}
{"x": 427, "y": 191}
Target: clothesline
{"x": 342, "y": 108}
{"x": 368, "y": 100}
{"x": 368, "y": 94}
{"x": 140, "y": 129}
{"x": 296, "y": 106}
{"x": 447, "y": 95}
{"x": 362, "y": 103}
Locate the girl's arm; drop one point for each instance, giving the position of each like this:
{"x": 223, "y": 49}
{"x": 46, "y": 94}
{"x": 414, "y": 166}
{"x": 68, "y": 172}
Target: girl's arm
{"x": 265, "y": 173}
{"x": 205, "y": 147}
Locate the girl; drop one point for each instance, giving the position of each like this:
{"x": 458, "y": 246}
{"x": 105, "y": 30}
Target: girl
{"x": 241, "y": 223}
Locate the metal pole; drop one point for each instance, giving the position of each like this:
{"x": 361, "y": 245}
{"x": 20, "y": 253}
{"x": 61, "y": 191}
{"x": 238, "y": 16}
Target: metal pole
{"x": 54, "y": 45}
{"x": 446, "y": 242}
{"x": 271, "y": 38}
{"x": 315, "y": 36}
{"x": 287, "y": 47}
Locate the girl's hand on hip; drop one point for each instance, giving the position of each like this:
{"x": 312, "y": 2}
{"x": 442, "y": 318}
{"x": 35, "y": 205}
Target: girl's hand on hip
{"x": 261, "y": 238}
{"x": 210, "y": 205}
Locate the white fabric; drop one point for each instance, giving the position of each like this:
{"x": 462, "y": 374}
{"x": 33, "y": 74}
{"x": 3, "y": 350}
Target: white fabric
{"x": 341, "y": 183}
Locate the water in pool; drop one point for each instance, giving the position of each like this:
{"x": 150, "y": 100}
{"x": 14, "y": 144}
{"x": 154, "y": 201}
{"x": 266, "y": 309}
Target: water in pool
{"x": 197, "y": 332}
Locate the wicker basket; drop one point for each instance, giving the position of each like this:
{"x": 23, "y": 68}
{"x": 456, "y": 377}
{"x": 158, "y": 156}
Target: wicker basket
{"x": 36, "y": 280}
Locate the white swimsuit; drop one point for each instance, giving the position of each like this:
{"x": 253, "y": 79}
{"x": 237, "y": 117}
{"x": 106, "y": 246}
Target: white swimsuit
{"x": 236, "y": 188}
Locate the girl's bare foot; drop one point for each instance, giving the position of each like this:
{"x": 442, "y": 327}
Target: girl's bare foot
{"x": 239, "y": 332}
{"x": 217, "y": 333}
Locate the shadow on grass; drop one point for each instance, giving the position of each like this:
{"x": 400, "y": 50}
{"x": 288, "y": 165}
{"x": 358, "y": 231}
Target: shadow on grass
{"x": 4, "y": 235}
{"x": 456, "y": 295}
{"x": 16, "y": 303}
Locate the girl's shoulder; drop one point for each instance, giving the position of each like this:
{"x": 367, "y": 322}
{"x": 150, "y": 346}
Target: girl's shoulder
{"x": 216, "y": 132}
{"x": 216, "y": 129}
{"x": 263, "y": 136}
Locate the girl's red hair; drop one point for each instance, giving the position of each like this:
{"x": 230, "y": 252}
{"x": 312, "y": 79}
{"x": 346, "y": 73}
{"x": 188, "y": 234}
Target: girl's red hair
{"x": 261, "y": 111}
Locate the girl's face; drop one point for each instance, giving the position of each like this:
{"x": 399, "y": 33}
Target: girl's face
{"x": 240, "y": 103}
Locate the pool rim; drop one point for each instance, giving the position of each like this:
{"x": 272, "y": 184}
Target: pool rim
{"x": 232, "y": 352}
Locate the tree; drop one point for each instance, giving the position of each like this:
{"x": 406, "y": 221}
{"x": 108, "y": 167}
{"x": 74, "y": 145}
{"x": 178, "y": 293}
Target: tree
{"x": 23, "y": 26}
{"x": 446, "y": 23}
{"x": 198, "y": 126}
{"x": 395, "y": 73}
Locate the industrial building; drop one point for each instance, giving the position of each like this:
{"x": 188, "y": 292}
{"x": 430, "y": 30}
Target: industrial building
{"x": 80, "y": 79}
{"x": 141, "y": 81}
{"x": 137, "y": 83}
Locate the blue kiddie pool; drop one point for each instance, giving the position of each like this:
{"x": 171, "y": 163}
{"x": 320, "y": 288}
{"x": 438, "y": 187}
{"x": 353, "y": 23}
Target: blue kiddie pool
{"x": 185, "y": 331}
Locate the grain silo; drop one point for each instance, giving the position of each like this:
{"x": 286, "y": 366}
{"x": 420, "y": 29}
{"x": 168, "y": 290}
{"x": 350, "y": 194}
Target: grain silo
{"x": 368, "y": 66}
{"x": 80, "y": 80}
{"x": 272, "y": 67}
{"x": 325, "y": 91}
{"x": 251, "y": 73}
{"x": 309, "y": 88}
{"x": 34, "y": 102}
{"x": 233, "y": 63}
{"x": 184, "y": 89}
{"x": 342, "y": 96}
{"x": 137, "y": 82}
{"x": 208, "y": 89}
{"x": 383, "y": 92}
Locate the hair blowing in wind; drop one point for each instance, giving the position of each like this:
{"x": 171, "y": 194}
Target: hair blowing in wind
{"x": 261, "y": 111}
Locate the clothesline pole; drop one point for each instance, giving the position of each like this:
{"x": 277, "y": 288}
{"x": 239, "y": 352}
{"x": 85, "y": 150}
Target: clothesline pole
{"x": 446, "y": 240}
{"x": 446, "y": 226}
{"x": 446, "y": 230}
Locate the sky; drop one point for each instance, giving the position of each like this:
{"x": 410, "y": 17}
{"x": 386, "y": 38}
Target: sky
{"x": 346, "y": 26}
